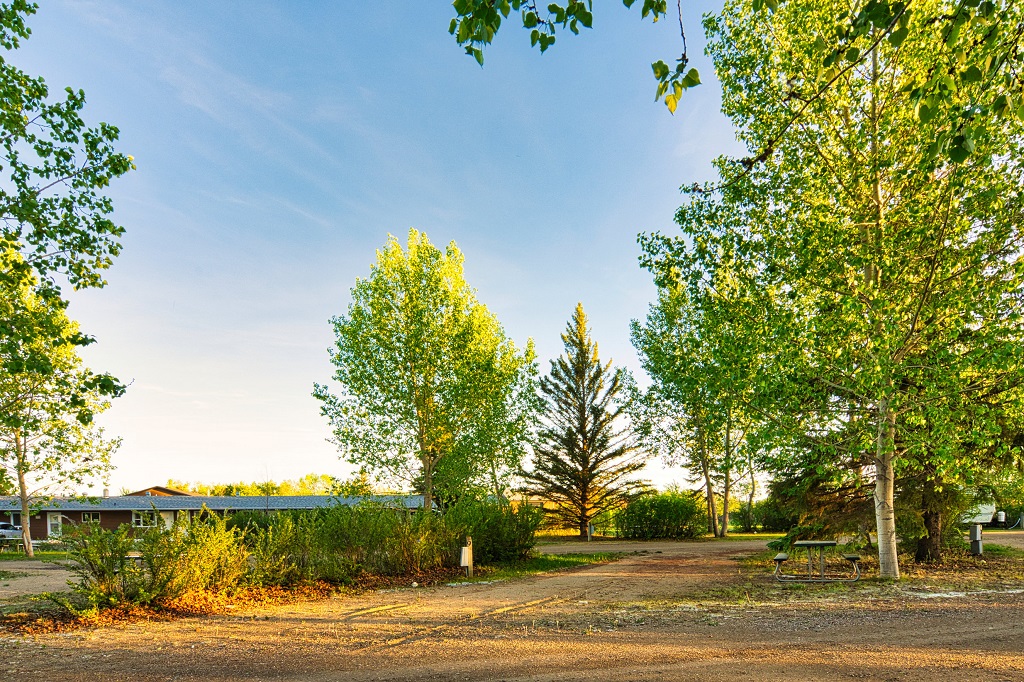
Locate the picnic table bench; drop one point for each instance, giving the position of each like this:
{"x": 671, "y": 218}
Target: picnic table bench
{"x": 820, "y": 575}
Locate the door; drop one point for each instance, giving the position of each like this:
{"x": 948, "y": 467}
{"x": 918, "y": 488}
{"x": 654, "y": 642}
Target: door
{"x": 54, "y": 524}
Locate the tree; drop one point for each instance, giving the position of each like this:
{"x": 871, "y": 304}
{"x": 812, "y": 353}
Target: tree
{"x": 897, "y": 266}
{"x": 428, "y": 378}
{"x": 582, "y": 459}
{"x": 310, "y": 484}
{"x": 973, "y": 42}
{"x": 48, "y": 441}
{"x": 700, "y": 347}
{"x": 52, "y": 207}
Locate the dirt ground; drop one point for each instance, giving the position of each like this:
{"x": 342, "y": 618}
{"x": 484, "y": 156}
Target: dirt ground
{"x": 31, "y": 577}
{"x": 653, "y": 615}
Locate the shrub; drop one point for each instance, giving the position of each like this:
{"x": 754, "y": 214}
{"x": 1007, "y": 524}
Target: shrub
{"x": 107, "y": 574}
{"x": 336, "y": 543}
{"x": 501, "y": 532}
{"x": 671, "y": 515}
{"x": 333, "y": 544}
{"x": 125, "y": 566}
{"x": 774, "y": 517}
{"x": 196, "y": 555}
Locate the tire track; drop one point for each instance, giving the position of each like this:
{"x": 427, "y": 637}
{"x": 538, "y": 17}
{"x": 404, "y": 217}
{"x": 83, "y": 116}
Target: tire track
{"x": 374, "y": 610}
{"x": 472, "y": 618}
{"x": 477, "y": 617}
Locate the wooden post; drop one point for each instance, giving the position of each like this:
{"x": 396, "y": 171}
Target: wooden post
{"x": 466, "y": 557}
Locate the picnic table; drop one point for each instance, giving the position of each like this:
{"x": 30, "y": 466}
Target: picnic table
{"x": 13, "y": 544}
{"x": 820, "y": 575}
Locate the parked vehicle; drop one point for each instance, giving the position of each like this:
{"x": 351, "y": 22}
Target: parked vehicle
{"x": 9, "y": 530}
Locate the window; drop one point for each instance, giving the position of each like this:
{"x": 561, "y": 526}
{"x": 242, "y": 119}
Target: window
{"x": 90, "y": 517}
{"x": 144, "y": 519}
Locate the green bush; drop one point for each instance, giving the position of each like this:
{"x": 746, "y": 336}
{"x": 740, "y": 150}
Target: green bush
{"x": 336, "y": 543}
{"x": 669, "y": 515}
{"x": 196, "y": 555}
{"x": 501, "y": 532}
{"x": 135, "y": 566}
{"x": 107, "y": 575}
{"x": 772, "y": 516}
{"x": 333, "y": 544}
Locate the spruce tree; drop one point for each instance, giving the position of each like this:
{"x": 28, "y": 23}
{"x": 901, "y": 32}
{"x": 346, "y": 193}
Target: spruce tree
{"x": 583, "y": 460}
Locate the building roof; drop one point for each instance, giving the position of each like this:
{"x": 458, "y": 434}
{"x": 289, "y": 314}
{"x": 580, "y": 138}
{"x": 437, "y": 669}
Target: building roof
{"x": 156, "y": 490}
{"x": 211, "y": 502}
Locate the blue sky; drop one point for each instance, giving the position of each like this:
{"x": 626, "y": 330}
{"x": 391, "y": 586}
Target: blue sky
{"x": 278, "y": 144}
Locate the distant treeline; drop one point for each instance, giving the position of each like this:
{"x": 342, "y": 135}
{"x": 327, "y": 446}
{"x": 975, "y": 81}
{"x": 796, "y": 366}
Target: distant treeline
{"x": 310, "y": 484}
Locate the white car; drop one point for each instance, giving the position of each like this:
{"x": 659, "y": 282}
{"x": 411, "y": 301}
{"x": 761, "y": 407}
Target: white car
{"x": 8, "y": 530}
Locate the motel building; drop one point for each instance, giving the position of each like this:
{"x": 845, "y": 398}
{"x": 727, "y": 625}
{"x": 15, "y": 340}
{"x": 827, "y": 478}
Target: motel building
{"x": 142, "y": 508}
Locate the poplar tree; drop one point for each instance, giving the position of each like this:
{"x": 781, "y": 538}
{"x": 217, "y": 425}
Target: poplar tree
{"x": 583, "y": 458}
{"x": 49, "y": 443}
{"x": 895, "y": 256}
{"x": 429, "y": 383}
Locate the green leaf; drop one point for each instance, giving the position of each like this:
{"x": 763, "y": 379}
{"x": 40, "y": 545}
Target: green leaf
{"x": 852, "y": 54}
{"x": 660, "y": 69}
{"x": 529, "y": 20}
{"x": 972, "y": 74}
{"x": 958, "y": 154}
{"x": 452, "y": 26}
{"x": 897, "y": 37}
{"x": 479, "y": 55}
{"x": 692, "y": 78}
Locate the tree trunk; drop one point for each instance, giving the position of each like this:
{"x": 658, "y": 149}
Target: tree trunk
{"x": 428, "y": 482}
{"x": 751, "y": 521}
{"x": 723, "y": 531}
{"x": 885, "y": 514}
{"x": 727, "y": 488}
{"x": 583, "y": 521}
{"x": 712, "y": 506}
{"x": 20, "y": 449}
{"x": 929, "y": 548}
{"x": 705, "y": 466}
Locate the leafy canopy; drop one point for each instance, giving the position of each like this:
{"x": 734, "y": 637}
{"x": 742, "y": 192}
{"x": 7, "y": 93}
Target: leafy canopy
{"x": 54, "y": 170}
{"x": 974, "y": 42}
{"x": 427, "y": 376}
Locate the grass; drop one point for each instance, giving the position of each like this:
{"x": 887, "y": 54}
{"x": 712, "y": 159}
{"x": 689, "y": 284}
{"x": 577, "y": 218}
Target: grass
{"x": 1000, "y": 568}
{"x": 542, "y": 563}
{"x": 558, "y": 536}
{"x": 767, "y": 537}
{"x": 40, "y": 555}
{"x": 1002, "y": 551}
{"x": 7, "y": 575}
